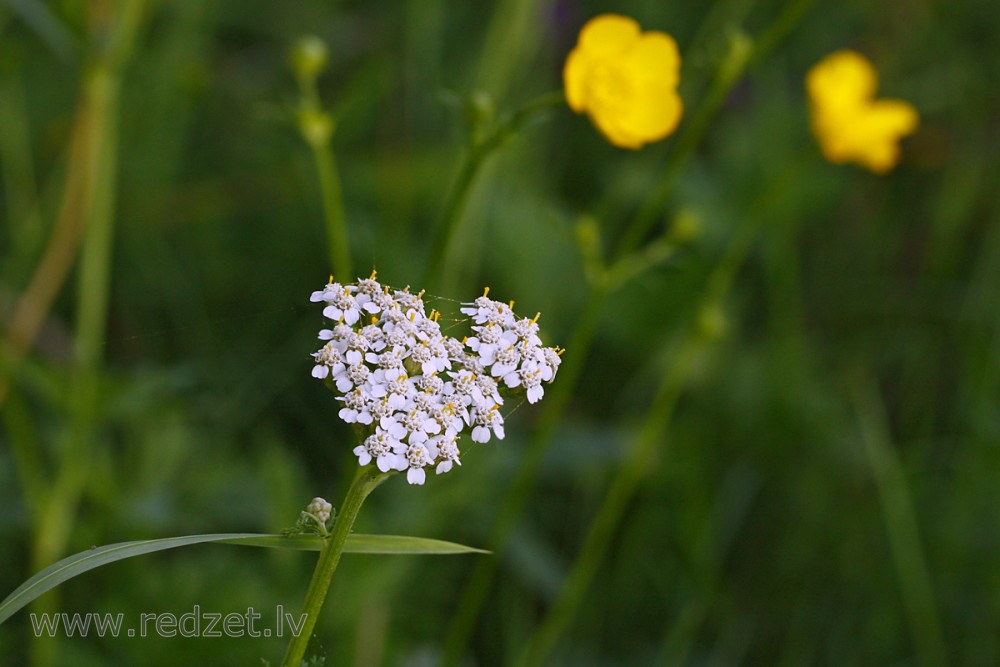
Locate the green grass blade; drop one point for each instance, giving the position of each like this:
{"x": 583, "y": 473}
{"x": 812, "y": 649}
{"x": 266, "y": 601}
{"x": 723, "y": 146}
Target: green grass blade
{"x": 359, "y": 544}
{"x": 95, "y": 557}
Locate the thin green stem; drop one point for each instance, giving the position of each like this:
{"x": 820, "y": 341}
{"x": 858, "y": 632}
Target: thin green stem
{"x": 742, "y": 54}
{"x": 367, "y": 480}
{"x": 729, "y": 72}
{"x": 18, "y": 171}
{"x": 477, "y": 589}
{"x": 92, "y": 190}
{"x": 25, "y": 451}
{"x": 316, "y": 127}
{"x": 642, "y": 454}
{"x": 719, "y": 282}
{"x": 333, "y": 211}
{"x": 901, "y": 526}
{"x": 513, "y": 34}
{"x": 639, "y": 461}
{"x": 473, "y": 160}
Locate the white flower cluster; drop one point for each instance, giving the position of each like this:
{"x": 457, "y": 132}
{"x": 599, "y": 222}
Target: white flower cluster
{"x": 415, "y": 390}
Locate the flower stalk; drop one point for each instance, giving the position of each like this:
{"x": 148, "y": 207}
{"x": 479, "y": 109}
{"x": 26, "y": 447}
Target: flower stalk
{"x": 367, "y": 479}
{"x": 316, "y": 126}
{"x": 472, "y": 163}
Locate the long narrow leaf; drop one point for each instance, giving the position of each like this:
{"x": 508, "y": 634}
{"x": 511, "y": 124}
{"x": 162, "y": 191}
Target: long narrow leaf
{"x": 95, "y": 557}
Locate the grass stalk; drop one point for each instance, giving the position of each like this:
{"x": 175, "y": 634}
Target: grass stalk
{"x": 901, "y": 525}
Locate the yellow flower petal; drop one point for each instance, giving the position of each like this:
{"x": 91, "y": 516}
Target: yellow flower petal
{"x": 849, "y": 124}
{"x": 575, "y": 79}
{"x": 624, "y": 80}
{"x": 843, "y": 78}
{"x": 608, "y": 34}
{"x": 654, "y": 115}
{"x": 655, "y": 57}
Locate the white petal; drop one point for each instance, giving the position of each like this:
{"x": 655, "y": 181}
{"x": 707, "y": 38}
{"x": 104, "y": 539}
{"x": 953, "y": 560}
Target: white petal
{"x": 320, "y": 371}
{"x": 415, "y": 476}
{"x": 332, "y": 312}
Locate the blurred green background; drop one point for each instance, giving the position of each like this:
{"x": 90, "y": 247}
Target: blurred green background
{"x": 825, "y": 490}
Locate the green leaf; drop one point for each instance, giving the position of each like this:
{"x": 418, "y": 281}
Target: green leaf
{"x": 95, "y": 557}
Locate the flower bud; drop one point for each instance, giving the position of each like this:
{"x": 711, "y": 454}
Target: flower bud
{"x": 316, "y": 127}
{"x": 320, "y": 509}
{"x": 308, "y": 57}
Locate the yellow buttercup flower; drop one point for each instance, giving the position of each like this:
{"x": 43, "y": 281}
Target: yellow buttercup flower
{"x": 850, "y": 124}
{"x": 625, "y": 80}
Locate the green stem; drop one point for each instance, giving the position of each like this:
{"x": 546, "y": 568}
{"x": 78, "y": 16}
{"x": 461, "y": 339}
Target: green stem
{"x": 557, "y": 399}
{"x": 901, "y": 526}
{"x": 18, "y": 170}
{"x": 316, "y": 127}
{"x": 512, "y": 38}
{"x": 367, "y": 480}
{"x": 477, "y": 589}
{"x": 639, "y": 462}
{"x": 742, "y": 54}
{"x": 641, "y": 457}
{"x": 472, "y": 162}
{"x": 333, "y": 211}
{"x": 92, "y": 191}
{"x": 730, "y": 71}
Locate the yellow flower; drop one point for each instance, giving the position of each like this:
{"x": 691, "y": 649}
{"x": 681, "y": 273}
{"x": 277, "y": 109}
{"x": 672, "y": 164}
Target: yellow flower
{"x": 625, "y": 80}
{"x": 850, "y": 124}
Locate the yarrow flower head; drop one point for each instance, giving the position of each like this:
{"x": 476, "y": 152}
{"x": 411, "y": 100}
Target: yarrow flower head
{"x": 849, "y": 123}
{"x": 625, "y": 80}
{"x": 413, "y": 390}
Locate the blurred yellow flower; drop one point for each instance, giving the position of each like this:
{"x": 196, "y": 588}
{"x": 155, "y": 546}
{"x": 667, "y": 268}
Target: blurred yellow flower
{"x": 850, "y": 124}
{"x": 625, "y": 80}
